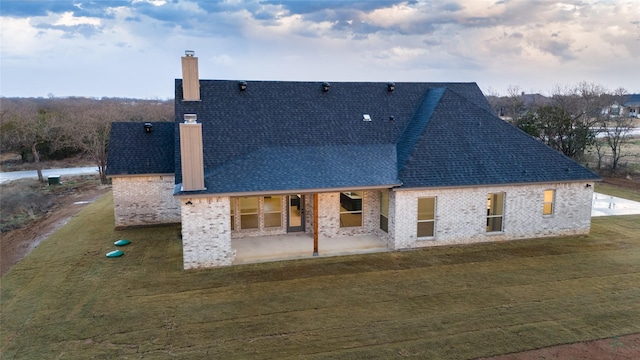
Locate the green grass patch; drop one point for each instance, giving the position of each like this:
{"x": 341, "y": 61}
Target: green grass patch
{"x": 67, "y": 300}
{"x": 617, "y": 191}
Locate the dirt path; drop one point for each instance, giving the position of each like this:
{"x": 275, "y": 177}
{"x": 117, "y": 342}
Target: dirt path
{"x": 17, "y": 244}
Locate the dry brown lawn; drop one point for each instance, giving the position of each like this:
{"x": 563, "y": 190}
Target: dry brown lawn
{"x": 67, "y": 300}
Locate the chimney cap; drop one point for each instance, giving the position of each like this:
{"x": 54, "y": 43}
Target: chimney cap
{"x": 189, "y": 53}
{"x": 190, "y": 118}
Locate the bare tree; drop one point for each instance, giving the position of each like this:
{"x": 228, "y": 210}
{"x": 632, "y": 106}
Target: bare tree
{"x": 599, "y": 144}
{"x": 495, "y": 100}
{"x": 92, "y": 124}
{"x": 91, "y": 129}
{"x": 514, "y": 106}
{"x": 30, "y": 127}
{"x": 83, "y": 124}
{"x": 616, "y": 132}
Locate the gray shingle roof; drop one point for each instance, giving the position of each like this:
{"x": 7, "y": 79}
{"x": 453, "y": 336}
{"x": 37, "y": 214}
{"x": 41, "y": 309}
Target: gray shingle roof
{"x": 292, "y": 135}
{"x": 464, "y": 145}
{"x": 133, "y": 151}
{"x": 632, "y": 100}
{"x": 286, "y": 136}
{"x": 279, "y": 168}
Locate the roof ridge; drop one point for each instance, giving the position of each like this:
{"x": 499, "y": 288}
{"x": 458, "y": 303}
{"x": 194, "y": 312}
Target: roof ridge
{"x": 414, "y": 129}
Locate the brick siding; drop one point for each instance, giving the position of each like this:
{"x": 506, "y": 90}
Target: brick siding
{"x": 144, "y": 200}
{"x": 206, "y": 232}
{"x": 461, "y": 214}
{"x": 460, "y": 217}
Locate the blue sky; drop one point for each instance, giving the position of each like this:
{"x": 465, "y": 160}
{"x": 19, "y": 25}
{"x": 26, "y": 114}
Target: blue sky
{"x": 132, "y": 48}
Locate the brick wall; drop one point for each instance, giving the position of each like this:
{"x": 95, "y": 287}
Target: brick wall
{"x": 206, "y": 232}
{"x": 144, "y": 200}
{"x": 461, "y": 214}
{"x": 329, "y": 215}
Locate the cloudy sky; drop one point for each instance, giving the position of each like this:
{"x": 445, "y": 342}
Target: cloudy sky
{"x": 132, "y": 48}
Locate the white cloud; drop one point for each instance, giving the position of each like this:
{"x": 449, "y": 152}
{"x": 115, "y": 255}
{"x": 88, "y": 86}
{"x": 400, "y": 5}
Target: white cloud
{"x": 152, "y": 2}
{"x": 68, "y": 19}
{"x": 19, "y": 38}
{"x": 399, "y": 15}
{"x": 531, "y": 44}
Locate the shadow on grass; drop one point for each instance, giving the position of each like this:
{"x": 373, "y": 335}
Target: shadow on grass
{"x": 67, "y": 299}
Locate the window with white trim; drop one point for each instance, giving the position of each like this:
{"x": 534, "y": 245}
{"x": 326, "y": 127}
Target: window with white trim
{"x": 272, "y": 211}
{"x": 426, "y": 217}
{"x": 249, "y": 212}
{"x": 495, "y": 212}
{"x": 233, "y": 213}
{"x": 384, "y": 210}
{"x": 548, "y": 205}
{"x": 351, "y": 208}
{"x": 256, "y": 212}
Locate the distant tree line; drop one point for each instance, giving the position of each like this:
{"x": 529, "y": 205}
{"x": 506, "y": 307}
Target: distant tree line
{"x": 572, "y": 119}
{"x": 45, "y": 128}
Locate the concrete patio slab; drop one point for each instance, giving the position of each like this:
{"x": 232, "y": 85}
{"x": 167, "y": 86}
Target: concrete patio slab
{"x": 300, "y": 246}
{"x": 607, "y": 205}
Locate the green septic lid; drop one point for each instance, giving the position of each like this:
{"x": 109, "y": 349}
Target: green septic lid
{"x": 115, "y": 253}
{"x": 122, "y": 242}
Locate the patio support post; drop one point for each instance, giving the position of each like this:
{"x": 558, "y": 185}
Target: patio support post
{"x": 315, "y": 224}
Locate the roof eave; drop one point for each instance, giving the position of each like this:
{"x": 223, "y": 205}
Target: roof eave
{"x": 139, "y": 175}
{"x": 183, "y": 194}
{"x": 494, "y": 185}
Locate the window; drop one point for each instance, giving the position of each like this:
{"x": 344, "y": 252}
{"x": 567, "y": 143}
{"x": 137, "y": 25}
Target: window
{"x": 549, "y": 198}
{"x": 426, "y": 216}
{"x": 351, "y": 209}
{"x": 384, "y": 210}
{"x": 233, "y": 214}
{"x": 249, "y": 218}
{"x": 615, "y": 109}
{"x": 495, "y": 211}
{"x": 272, "y": 211}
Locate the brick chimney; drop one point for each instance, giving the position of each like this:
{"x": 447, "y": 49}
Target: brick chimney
{"x": 190, "y": 80}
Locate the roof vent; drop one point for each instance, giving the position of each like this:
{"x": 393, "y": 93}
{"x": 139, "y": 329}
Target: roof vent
{"x": 366, "y": 117}
{"x": 147, "y": 127}
{"x": 190, "y": 118}
{"x": 242, "y": 85}
{"x": 325, "y": 86}
{"x": 392, "y": 118}
{"x": 391, "y": 86}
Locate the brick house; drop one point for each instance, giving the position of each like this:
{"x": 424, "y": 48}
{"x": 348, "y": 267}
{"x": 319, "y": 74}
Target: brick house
{"x": 413, "y": 164}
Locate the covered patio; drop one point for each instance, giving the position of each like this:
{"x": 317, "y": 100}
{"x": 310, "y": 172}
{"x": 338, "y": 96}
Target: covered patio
{"x": 300, "y": 246}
